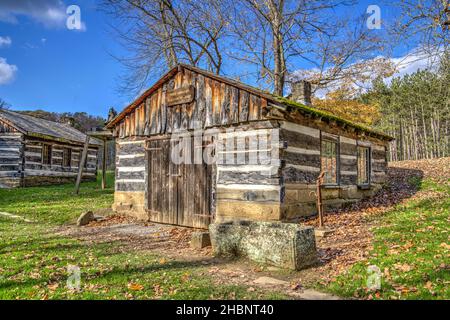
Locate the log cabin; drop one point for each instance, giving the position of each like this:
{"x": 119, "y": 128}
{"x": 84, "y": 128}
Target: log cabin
{"x": 268, "y": 178}
{"x": 36, "y": 152}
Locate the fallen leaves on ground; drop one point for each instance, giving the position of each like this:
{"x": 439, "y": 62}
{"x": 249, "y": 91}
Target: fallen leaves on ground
{"x": 112, "y": 220}
{"x": 53, "y": 286}
{"x": 135, "y": 287}
{"x": 351, "y": 239}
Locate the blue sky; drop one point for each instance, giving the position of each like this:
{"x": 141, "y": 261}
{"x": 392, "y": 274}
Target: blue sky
{"x": 44, "y": 65}
{"x": 60, "y": 69}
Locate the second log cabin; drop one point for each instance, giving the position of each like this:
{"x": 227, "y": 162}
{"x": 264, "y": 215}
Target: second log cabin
{"x": 36, "y": 152}
{"x": 198, "y": 148}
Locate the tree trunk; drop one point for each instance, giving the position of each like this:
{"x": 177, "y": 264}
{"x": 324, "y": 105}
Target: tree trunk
{"x": 278, "y": 62}
{"x": 276, "y": 13}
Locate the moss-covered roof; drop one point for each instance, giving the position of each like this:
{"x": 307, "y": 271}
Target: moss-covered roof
{"x": 329, "y": 116}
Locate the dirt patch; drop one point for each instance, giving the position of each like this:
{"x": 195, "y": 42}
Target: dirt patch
{"x": 174, "y": 242}
{"x": 134, "y": 235}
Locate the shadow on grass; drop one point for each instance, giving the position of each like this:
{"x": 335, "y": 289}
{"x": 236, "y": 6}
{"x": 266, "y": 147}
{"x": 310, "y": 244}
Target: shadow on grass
{"x": 37, "y": 195}
{"x": 401, "y": 184}
{"x": 146, "y": 266}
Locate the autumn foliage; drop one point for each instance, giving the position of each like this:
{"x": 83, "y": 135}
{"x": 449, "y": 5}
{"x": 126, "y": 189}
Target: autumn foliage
{"x": 352, "y": 110}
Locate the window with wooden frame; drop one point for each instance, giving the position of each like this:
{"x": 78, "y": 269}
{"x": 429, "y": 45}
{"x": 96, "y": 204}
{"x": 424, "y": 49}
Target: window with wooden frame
{"x": 46, "y": 154}
{"x": 363, "y": 165}
{"x": 67, "y": 157}
{"x": 329, "y": 161}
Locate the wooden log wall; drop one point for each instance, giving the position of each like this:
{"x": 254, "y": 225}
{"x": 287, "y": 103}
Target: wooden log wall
{"x": 33, "y": 159}
{"x": 34, "y": 170}
{"x": 348, "y": 161}
{"x": 302, "y": 155}
{"x": 11, "y": 150}
{"x": 130, "y": 166}
{"x": 215, "y": 104}
{"x": 349, "y": 156}
{"x": 379, "y": 163}
{"x": 5, "y": 128}
{"x": 301, "y": 166}
{"x": 249, "y": 180}
{"x": 189, "y": 101}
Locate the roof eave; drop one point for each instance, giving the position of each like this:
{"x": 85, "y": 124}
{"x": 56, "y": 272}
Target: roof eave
{"x": 270, "y": 97}
{"x": 9, "y": 123}
{"x": 53, "y": 138}
{"x": 141, "y": 98}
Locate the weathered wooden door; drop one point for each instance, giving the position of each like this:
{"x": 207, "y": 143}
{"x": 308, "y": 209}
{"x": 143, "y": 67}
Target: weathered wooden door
{"x": 178, "y": 194}
{"x": 162, "y": 201}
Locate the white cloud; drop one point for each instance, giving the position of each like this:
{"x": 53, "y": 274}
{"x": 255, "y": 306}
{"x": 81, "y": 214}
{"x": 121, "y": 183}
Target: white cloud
{"x": 5, "y": 41}
{"x": 48, "y": 12}
{"x": 414, "y": 61}
{"x": 7, "y": 71}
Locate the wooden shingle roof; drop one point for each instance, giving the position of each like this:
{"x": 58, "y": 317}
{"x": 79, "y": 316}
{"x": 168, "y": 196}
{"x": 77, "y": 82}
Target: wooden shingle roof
{"x": 274, "y": 99}
{"x": 42, "y": 128}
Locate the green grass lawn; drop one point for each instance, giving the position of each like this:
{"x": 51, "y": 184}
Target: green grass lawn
{"x": 34, "y": 261}
{"x": 411, "y": 249}
{"x": 57, "y": 204}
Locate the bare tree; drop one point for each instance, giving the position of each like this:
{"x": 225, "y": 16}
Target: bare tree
{"x": 424, "y": 25}
{"x": 3, "y": 104}
{"x": 159, "y": 34}
{"x": 271, "y": 37}
{"x": 277, "y": 35}
{"x": 427, "y": 20}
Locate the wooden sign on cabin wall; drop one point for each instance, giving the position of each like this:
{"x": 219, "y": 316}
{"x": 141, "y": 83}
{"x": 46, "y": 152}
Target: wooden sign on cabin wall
{"x": 180, "y": 96}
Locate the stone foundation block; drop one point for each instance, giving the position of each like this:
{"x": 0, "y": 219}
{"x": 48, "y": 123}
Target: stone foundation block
{"x": 130, "y": 204}
{"x": 351, "y": 192}
{"x": 285, "y": 245}
{"x": 251, "y": 210}
{"x": 200, "y": 240}
{"x": 293, "y": 211}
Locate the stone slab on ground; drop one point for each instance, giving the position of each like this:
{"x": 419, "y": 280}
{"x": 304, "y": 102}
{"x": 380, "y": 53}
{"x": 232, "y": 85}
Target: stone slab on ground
{"x": 269, "y": 281}
{"x": 284, "y": 286}
{"x": 311, "y": 294}
{"x": 98, "y": 217}
{"x": 166, "y": 240}
{"x": 285, "y": 245}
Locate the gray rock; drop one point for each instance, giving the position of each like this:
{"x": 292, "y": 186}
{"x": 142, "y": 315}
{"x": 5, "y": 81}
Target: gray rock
{"x": 99, "y": 217}
{"x": 200, "y": 240}
{"x": 285, "y": 245}
{"x": 85, "y": 218}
